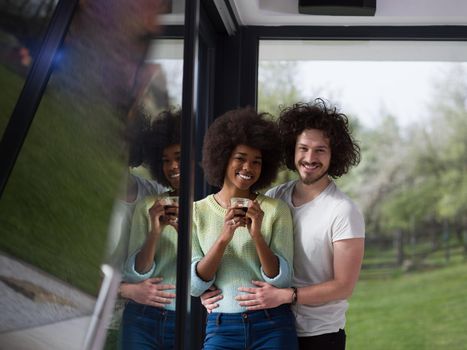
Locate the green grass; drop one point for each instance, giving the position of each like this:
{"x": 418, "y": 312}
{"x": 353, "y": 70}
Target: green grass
{"x": 56, "y": 207}
{"x": 11, "y": 85}
{"x": 423, "y": 310}
{"x": 376, "y": 258}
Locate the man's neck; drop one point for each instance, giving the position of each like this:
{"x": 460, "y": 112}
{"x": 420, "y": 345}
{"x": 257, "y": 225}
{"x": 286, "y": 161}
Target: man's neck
{"x": 303, "y": 193}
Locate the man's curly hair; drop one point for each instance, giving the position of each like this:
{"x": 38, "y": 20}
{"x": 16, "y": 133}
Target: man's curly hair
{"x": 293, "y": 120}
{"x": 242, "y": 126}
{"x": 164, "y": 132}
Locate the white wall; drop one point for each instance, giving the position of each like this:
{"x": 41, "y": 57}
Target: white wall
{"x": 388, "y": 12}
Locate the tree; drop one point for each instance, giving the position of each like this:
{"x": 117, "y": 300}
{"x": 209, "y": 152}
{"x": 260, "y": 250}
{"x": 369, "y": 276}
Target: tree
{"x": 277, "y": 86}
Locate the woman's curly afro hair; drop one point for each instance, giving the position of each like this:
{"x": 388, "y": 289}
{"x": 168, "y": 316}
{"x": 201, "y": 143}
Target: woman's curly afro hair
{"x": 243, "y": 126}
{"x": 164, "y": 132}
{"x": 137, "y": 127}
{"x": 293, "y": 120}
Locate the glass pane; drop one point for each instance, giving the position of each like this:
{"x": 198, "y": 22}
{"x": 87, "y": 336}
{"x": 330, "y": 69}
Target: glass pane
{"x": 407, "y": 106}
{"x": 152, "y": 184}
{"x": 22, "y": 26}
{"x": 59, "y": 200}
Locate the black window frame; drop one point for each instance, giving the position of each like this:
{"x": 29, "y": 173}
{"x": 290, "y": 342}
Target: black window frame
{"x": 31, "y": 94}
{"x": 254, "y": 34}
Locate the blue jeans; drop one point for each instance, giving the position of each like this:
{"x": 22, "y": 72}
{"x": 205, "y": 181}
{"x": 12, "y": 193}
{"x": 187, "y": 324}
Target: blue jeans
{"x": 252, "y": 330}
{"x": 147, "y": 327}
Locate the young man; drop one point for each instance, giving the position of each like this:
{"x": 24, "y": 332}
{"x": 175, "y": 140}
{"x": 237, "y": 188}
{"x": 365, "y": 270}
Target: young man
{"x": 329, "y": 229}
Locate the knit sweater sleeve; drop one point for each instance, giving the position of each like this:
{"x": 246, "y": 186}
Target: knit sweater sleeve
{"x": 140, "y": 227}
{"x": 198, "y": 285}
{"x": 282, "y": 245}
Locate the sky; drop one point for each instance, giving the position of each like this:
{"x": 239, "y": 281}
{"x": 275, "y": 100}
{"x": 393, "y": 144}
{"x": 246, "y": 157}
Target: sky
{"x": 367, "y": 89}
{"x": 364, "y": 89}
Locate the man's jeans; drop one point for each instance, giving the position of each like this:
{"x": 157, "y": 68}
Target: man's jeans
{"x": 147, "y": 327}
{"x": 329, "y": 341}
{"x": 264, "y": 329}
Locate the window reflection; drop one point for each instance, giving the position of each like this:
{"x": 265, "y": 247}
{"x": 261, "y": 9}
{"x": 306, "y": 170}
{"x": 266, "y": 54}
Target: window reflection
{"x": 142, "y": 238}
{"x": 58, "y": 201}
{"x": 22, "y": 26}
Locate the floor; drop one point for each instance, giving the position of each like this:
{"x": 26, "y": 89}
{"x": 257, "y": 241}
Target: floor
{"x": 39, "y": 311}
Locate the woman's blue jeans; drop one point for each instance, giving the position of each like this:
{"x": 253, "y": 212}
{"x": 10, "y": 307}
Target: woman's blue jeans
{"x": 147, "y": 327}
{"x": 253, "y": 330}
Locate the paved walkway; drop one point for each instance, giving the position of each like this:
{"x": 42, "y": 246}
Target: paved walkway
{"x": 38, "y": 311}
{"x": 64, "y": 335}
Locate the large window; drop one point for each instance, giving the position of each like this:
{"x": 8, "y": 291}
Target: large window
{"x": 407, "y": 104}
{"x": 60, "y": 196}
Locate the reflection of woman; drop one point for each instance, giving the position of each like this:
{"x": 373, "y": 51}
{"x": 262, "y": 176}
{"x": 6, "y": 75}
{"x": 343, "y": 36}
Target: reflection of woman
{"x": 239, "y": 156}
{"x": 136, "y": 188}
{"x": 153, "y": 245}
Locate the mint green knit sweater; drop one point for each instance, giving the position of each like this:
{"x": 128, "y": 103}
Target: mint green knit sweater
{"x": 165, "y": 259}
{"x": 240, "y": 263}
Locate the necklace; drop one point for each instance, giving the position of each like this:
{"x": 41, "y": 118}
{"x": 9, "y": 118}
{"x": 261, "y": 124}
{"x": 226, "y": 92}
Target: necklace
{"x": 220, "y": 201}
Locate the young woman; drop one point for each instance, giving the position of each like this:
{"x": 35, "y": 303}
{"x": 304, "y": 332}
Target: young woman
{"x": 240, "y": 155}
{"x": 135, "y": 188}
{"x": 153, "y": 244}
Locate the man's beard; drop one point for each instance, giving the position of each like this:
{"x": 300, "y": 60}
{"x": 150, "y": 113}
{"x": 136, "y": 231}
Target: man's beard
{"x": 311, "y": 180}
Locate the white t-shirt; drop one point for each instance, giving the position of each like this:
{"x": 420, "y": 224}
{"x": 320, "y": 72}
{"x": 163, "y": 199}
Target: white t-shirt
{"x": 330, "y": 217}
